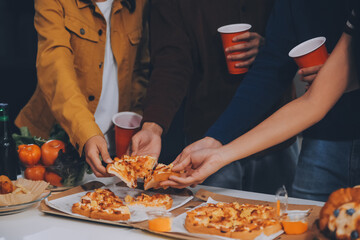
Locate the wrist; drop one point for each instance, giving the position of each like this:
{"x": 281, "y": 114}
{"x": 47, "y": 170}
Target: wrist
{"x": 226, "y": 154}
{"x": 153, "y": 127}
{"x": 214, "y": 142}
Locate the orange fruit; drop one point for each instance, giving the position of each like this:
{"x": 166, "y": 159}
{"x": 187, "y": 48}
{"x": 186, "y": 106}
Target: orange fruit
{"x": 29, "y": 154}
{"x": 50, "y": 151}
{"x": 53, "y": 178}
{"x": 35, "y": 173}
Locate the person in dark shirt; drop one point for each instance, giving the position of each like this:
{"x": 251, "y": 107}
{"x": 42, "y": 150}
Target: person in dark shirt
{"x": 189, "y": 69}
{"x": 339, "y": 75}
{"x": 353, "y": 29}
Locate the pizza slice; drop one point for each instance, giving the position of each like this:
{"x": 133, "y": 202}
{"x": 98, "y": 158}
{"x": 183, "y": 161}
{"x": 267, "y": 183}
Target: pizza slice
{"x": 161, "y": 173}
{"x": 123, "y": 170}
{"x": 156, "y": 200}
{"x": 234, "y": 220}
{"x": 130, "y": 168}
{"x": 102, "y": 204}
{"x": 142, "y": 165}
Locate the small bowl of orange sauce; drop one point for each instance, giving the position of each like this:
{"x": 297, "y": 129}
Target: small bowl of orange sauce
{"x": 295, "y": 222}
{"x": 160, "y": 221}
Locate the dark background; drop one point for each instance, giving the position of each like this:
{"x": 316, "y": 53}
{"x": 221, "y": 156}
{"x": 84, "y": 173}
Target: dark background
{"x": 18, "y": 46}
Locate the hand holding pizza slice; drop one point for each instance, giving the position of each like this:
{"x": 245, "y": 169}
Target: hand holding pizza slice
{"x": 130, "y": 168}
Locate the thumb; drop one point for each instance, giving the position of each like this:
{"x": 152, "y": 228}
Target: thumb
{"x": 177, "y": 159}
{"x": 105, "y": 154}
{"x": 134, "y": 146}
{"x": 182, "y": 165}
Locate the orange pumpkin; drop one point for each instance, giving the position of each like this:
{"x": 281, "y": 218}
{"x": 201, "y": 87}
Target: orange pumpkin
{"x": 29, "y": 154}
{"x": 53, "y": 179}
{"x": 35, "y": 173}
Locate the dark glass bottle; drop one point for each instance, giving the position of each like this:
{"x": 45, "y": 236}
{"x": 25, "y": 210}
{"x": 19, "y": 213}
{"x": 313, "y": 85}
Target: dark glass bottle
{"x": 8, "y": 157}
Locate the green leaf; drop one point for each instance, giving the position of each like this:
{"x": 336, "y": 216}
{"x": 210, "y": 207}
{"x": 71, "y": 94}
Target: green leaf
{"x": 57, "y": 132}
{"x": 24, "y": 131}
{"x": 26, "y": 138}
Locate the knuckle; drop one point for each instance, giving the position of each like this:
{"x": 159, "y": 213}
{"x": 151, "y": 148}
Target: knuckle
{"x": 88, "y": 157}
{"x": 187, "y": 151}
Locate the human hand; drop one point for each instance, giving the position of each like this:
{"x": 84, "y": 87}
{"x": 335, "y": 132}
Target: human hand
{"x": 309, "y": 74}
{"x": 249, "y": 45}
{"x": 206, "y": 142}
{"x": 197, "y": 166}
{"x": 147, "y": 141}
{"x": 94, "y": 147}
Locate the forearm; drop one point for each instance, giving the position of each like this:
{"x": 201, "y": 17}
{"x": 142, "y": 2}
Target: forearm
{"x": 57, "y": 78}
{"x": 172, "y": 63}
{"x": 140, "y": 80}
{"x": 65, "y": 99}
{"x": 265, "y": 83}
{"x": 301, "y": 113}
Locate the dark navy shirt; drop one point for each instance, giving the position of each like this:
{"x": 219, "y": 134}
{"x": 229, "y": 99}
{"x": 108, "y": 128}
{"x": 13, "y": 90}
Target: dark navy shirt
{"x": 353, "y": 28}
{"x": 291, "y": 22}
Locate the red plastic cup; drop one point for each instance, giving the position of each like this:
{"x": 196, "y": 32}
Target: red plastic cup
{"x": 228, "y": 32}
{"x": 310, "y": 53}
{"x": 126, "y": 125}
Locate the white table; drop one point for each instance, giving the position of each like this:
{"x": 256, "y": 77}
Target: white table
{"x": 35, "y": 225}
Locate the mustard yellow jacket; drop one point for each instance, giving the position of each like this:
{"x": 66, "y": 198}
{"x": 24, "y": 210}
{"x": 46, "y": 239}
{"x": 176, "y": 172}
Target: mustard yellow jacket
{"x": 71, "y": 49}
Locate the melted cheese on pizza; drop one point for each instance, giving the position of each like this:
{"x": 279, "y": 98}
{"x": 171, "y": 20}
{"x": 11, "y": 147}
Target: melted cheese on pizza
{"x": 103, "y": 200}
{"x": 233, "y": 217}
{"x": 130, "y": 168}
{"x": 156, "y": 200}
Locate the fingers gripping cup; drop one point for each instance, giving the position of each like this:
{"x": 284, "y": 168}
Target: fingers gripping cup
{"x": 126, "y": 125}
{"x": 310, "y": 53}
{"x": 228, "y": 32}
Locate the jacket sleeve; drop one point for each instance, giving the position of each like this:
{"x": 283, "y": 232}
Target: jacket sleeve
{"x": 265, "y": 83}
{"x": 140, "y": 78}
{"x": 172, "y": 63}
{"x": 56, "y": 74}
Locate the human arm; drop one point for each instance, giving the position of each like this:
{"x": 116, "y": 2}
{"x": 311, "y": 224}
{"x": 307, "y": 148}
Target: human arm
{"x": 172, "y": 69}
{"x": 57, "y": 78}
{"x": 265, "y": 83}
{"x": 262, "y": 87}
{"x": 140, "y": 79}
{"x": 333, "y": 79}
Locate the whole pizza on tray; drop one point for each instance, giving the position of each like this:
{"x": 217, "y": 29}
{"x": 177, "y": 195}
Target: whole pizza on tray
{"x": 234, "y": 220}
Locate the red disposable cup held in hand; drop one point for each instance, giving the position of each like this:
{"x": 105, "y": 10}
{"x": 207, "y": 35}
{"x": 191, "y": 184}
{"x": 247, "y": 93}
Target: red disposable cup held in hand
{"x": 126, "y": 125}
{"x": 228, "y": 32}
{"x": 310, "y": 53}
